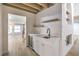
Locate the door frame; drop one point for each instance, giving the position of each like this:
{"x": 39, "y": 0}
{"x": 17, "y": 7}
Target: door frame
{"x": 6, "y": 11}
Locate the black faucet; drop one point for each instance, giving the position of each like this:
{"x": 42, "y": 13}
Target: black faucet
{"x": 48, "y": 31}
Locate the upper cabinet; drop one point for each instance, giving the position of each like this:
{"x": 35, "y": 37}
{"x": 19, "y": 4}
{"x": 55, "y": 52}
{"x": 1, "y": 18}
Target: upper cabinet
{"x": 51, "y": 20}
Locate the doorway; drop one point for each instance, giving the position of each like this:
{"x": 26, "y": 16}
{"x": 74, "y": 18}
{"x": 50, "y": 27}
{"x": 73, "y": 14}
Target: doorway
{"x": 16, "y": 34}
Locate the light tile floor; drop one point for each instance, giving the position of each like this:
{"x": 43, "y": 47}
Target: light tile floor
{"x": 17, "y": 47}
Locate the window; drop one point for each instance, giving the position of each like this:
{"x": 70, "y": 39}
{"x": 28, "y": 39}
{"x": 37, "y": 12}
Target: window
{"x": 76, "y": 28}
{"x": 17, "y": 28}
{"x": 10, "y": 29}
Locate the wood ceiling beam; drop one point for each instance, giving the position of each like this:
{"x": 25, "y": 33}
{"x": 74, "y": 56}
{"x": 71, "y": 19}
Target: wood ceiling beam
{"x": 44, "y": 5}
{"x": 33, "y": 5}
{"x": 22, "y": 7}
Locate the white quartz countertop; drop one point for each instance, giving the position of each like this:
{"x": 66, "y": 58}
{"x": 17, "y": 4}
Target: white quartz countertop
{"x": 44, "y": 35}
{"x": 53, "y": 39}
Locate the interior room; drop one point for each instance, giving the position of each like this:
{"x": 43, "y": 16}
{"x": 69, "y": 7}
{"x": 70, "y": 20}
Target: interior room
{"x": 16, "y": 32}
{"x": 38, "y": 29}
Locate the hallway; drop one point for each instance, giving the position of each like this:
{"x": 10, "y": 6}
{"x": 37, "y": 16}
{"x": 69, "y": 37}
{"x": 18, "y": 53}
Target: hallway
{"x": 17, "y": 47}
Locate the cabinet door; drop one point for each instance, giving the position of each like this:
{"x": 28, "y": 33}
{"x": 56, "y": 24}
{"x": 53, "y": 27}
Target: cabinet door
{"x": 35, "y": 44}
{"x": 41, "y": 48}
{"x": 51, "y": 50}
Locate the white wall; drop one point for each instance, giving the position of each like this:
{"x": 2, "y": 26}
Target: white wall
{"x": 5, "y": 10}
{"x": 51, "y": 12}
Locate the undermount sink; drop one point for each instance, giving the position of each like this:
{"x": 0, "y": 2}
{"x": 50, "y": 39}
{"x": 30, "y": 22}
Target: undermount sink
{"x": 46, "y": 37}
{"x": 43, "y": 36}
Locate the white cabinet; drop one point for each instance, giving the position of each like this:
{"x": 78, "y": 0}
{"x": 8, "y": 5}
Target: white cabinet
{"x": 44, "y": 47}
{"x": 36, "y": 44}
{"x": 52, "y": 50}
{"x": 41, "y": 47}
{"x": 49, "y": 50}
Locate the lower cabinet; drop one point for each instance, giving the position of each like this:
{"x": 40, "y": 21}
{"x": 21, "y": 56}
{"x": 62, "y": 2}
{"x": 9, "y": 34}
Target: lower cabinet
{"x": 36, "y": 44}
{"x": 41, "y": 48}
{"x": 51, "y": 50}
{"x": 44, "y": 49}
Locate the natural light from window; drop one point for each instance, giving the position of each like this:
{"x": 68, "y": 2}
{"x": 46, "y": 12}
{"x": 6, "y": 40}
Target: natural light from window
{"x": 17, "y": 28}
{"x": 76, "y": 28}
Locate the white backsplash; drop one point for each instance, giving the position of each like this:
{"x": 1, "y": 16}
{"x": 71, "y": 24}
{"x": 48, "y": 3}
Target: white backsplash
{"x": 54, "y": 26}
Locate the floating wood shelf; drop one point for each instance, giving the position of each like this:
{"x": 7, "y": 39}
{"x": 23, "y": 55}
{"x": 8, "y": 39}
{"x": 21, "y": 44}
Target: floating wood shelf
{"x": 52, "y": 20}
{"x": 38, "y": 25}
